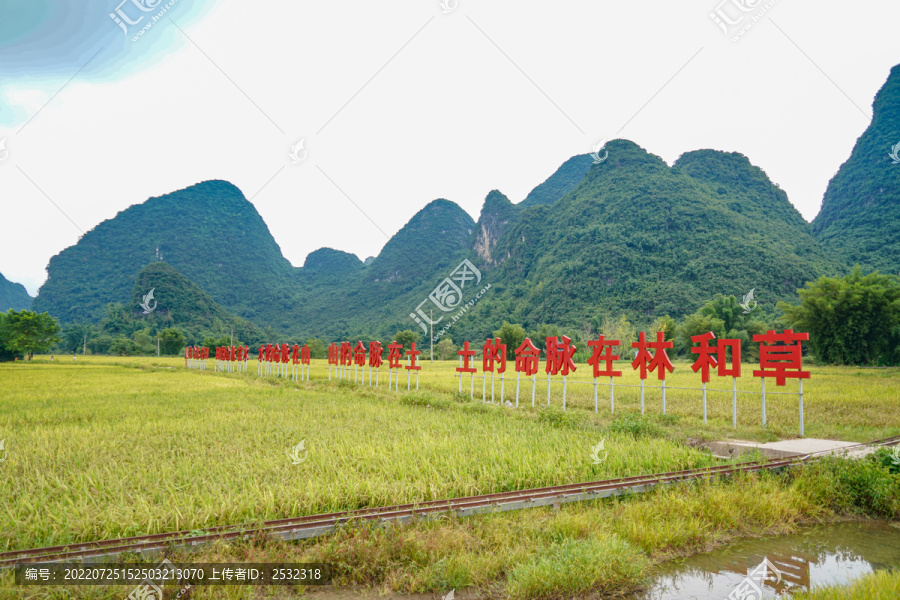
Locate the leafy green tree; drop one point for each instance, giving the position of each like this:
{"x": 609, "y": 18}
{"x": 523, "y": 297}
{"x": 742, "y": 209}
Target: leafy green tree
{"x": 851, "y": 320}
{"x": 317, "y": 348}
{"x": 171, "y": 341}
{"x": 726, "y": 318}
{"x": 512, "y": 335}
{"x": 123, "y": 346}
{"x": 406, "y": 338}
{"x": 446, "y": 349}
{"x": 7, "y": 352}
{"x": 667, "y": 325}
{"x": 539, "y": 336}
{"x": 29, "y": 332}
{"x": 620, "y": 329}
{"x": 75, "y": 335}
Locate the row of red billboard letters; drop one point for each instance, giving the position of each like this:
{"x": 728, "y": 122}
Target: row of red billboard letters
{"x": 780, "y": 356}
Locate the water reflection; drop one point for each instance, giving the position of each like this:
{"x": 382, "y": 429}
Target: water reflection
{"x": 822, "y": 555}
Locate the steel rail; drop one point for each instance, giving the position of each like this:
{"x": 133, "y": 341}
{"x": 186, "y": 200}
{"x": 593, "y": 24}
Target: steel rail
{"x": 322, "y": 524}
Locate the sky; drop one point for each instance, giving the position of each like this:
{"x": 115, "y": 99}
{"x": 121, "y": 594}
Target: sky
{"x": 340, "y": 120}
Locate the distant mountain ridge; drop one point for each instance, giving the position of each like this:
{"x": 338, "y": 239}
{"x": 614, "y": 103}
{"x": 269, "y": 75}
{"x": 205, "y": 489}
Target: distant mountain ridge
{"x": 13, "y": 295}
{"x": 860, "y": 215}
{"x": 629, "y": 235}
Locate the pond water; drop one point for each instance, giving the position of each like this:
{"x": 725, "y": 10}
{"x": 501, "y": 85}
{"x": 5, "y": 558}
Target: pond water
{"x": 820, "y": 555}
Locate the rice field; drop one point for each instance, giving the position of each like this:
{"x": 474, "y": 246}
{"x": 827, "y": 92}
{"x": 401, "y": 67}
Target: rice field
{"x": 110, "y": 447}
{"x": 103, "y": 449}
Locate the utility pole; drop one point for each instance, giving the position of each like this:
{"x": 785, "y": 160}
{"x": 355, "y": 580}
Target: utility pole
{"x": 431, "y": 327}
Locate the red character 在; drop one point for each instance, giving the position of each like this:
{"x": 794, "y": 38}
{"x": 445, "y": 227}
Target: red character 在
{"x": 492, "y": 352}
{"x": 528, "y": 357}
{"x": 781, "y": 356}
{"x": 559, "y": 356}
{"x": 394, "y": 355}
{"x": 467, "y": 356}
{"x": 602, "y": 350}
{"x": 658, "y": 361}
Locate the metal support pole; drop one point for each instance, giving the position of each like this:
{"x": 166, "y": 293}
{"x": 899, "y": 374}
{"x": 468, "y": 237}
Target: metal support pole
{"x": 664, "y": 395}
{"x": 492, "y": 387}
{"x": 548, "y": 388}
{"x": 612, "y": 398}
{"x": 518, "y": 378}
{"x": 763, "y": 382}
{"x": 704, "y": 402}
{"x": 642, "y": 396}
{"x": 501, "y": 388}
{"x": 734, "y": 402}
{"x": 800, "y": 382}
{"x": 564, "y": 392}
{"x": 460, "y": 375}
{"x": 533, "y": 386}
{"x": 595, "y": 395}
{"x": 471, "y": 385}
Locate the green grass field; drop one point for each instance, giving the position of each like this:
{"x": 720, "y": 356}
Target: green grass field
{"x": 112, "y": 447}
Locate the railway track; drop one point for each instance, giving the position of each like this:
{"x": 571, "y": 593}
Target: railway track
{"x": 316, "y": 525}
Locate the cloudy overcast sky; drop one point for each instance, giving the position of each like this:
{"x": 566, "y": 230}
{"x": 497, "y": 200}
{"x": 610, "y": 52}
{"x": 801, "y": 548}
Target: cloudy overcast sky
{"x": 398, "y": 103}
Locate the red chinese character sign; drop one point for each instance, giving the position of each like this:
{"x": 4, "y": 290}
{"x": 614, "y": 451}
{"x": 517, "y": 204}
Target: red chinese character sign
{"x": 394, "y": 357}
{"x": 781, "y": 357}
{"x": 412, "y": 354}
{"x": 559, "y": 362}
{"x": 657, "y": 361}
{"x": 493, "y": 359}
{"x": 528, "y": 358}
{"x": 602, "y": 350}
{"x": 466, "y": 365}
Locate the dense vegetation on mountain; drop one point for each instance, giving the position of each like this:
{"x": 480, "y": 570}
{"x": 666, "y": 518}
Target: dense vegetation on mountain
{"x": 13, "y": 295}
{"x": 563, "y": 181}
{"x": 208, "y": 231}
{"x": 860, "y": 216}
{"x": 629, "y": 243}
{"x": 177, "y": 310}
